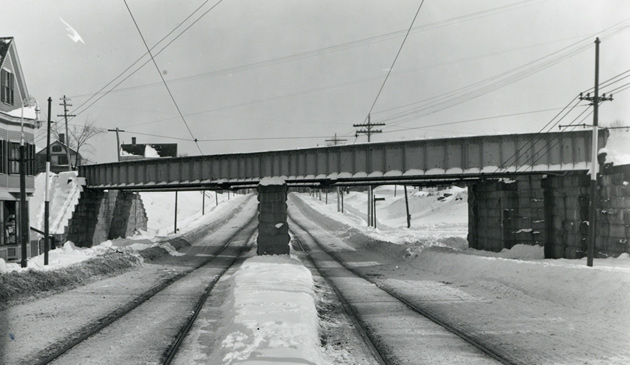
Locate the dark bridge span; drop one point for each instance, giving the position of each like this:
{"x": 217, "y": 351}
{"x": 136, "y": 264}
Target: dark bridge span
{"x": 418, "y": 160}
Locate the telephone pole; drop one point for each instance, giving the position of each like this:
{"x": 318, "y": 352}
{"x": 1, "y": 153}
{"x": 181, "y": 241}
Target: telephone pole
{"x": 595, "y": 100}
{"x": 65, "y": 115}
{"x": 335, "y": 141}
{"x": 117, "y": 140}
{"x": 368, "y": 128}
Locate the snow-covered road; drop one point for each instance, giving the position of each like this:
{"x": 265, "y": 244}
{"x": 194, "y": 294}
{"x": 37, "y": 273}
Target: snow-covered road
{"x": 536, "y": 311}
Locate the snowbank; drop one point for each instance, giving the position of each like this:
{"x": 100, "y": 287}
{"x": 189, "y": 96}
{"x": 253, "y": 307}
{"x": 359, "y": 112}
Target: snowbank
{"x": 160, "y": 208}
{"x": 601, "y": 289}
{"x": 65, "y": 189}
{"x": 271, "y": 315}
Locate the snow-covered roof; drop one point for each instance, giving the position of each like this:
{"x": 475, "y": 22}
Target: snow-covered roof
{"x": 149, "y": 150}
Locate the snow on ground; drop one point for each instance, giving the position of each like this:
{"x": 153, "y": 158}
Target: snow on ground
{"x": 271, "y": 314}
{"x": 272, "y": 311}
{"x": 436, "y": 214}
{"x": 160, "y": 208}
{"x": 65, "y": 189}
{"x": 445, "y": 251}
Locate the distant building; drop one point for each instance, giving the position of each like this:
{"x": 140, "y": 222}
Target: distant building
{"x": 142, "y": 151}
{"x": 58, "y": 157}
{"x": 18, "y": 117}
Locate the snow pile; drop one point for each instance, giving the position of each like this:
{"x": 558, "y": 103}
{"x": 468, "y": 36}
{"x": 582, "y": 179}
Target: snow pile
{"x": 271, "y": 316}
{"x": 61, "y": 257}
{"x": 65, "y": 189}
{"x": 601, "y": 289}
{"x": 160, "y": 208}
{"x": 436, "y": 215}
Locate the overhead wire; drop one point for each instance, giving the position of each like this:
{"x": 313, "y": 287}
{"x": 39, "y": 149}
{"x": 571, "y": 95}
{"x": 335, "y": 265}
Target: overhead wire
{"x": 458, "y": 96}
{"x": 162, "y": 77}
{"x": 318, "y": 52}
{"x": 267, "y": 99}
{"x": 395, "y": 59}
{"x": 77, "y": 112}
{"x": 531, "y": 161}
{"x": 471, "y": 120}
{"x": 549, "y": 125}
{"x": 463, "y": 18}
{"x": 573, "y": 124}
{"x": 339, "y": 47}
{"x": 93, "y": 95}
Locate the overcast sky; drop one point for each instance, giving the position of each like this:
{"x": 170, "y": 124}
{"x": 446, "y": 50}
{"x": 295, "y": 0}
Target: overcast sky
{"x": 265, "y": 75}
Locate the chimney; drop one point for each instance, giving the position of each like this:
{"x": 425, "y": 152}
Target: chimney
{"x": 133, "y": 140}
{"x": 62, "y": 138}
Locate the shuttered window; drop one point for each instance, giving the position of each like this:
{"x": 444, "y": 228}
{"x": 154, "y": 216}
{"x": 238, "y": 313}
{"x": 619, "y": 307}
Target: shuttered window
{"x": 14, "y": 158}
{"x": 6, "y": 87}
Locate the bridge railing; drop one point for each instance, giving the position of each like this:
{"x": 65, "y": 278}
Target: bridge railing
{"x": 429, "y": 158}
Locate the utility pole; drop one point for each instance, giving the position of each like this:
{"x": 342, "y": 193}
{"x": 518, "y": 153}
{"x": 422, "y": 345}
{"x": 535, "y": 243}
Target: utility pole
{"x": 407, "y": 209}
{"x": 175, "y": 228}
{"x": 46, "y": 196}
{"x": 368, "y": 128}
{"x": 335, "y": 141}
{"x": 117, "y": 140}
{"x": 65, "y": 115}
{"x": 595, "y": 100}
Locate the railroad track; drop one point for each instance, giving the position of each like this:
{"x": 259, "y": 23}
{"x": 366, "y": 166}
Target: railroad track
{"x": 215, "y": 265}
{"x": 308, "y": 243}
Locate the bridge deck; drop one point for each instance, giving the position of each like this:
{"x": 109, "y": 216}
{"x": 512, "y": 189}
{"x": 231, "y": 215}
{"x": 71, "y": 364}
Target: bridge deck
{"x": 418, "y": 160}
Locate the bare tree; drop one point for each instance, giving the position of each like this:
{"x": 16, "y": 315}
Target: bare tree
{"x": 80, "y": 136}
{"x": 617, "y": 123}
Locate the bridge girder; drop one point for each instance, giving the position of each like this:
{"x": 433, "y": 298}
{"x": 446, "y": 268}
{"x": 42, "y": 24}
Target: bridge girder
{"x": 404, "y": 162}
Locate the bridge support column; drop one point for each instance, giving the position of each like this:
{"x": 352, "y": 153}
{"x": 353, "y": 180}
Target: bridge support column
{"x": 273, "y": 230}
{"x": 504, "y": 213}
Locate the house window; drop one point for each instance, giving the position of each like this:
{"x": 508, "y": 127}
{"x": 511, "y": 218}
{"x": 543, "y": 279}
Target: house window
{"x": 6, "y": 86}
{"x": 56, "y": 148}
{"x": 62, "y": 160}
{"x": 14, "y": 158}
{"x": 3, "y": 157}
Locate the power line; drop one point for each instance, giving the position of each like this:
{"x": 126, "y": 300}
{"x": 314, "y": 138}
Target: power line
{"x": 141, "y": 66}
{"x": 162, "y": 77}
{"x": 542, "y": 130}
{"x": 471, "y": 120}
{"x": 557, "y": 140}
{"x": 458, "y": 96}
{"x": 395, "y": 59}
{"x": 335, "y": 48}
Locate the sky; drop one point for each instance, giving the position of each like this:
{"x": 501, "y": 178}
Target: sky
{"x": 267, "y": 75}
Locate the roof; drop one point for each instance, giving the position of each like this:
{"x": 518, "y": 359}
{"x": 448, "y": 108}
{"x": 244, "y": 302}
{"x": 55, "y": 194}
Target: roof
{"x": 5, "y": 43}
{"x": 149, "y": 150}
{"x": 57, "y": 142}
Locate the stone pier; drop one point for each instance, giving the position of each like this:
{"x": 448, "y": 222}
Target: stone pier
{"x": 273, "y": 230}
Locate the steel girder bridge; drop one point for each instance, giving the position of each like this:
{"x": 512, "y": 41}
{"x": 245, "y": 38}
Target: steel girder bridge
{"x": 422, "y": 162}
